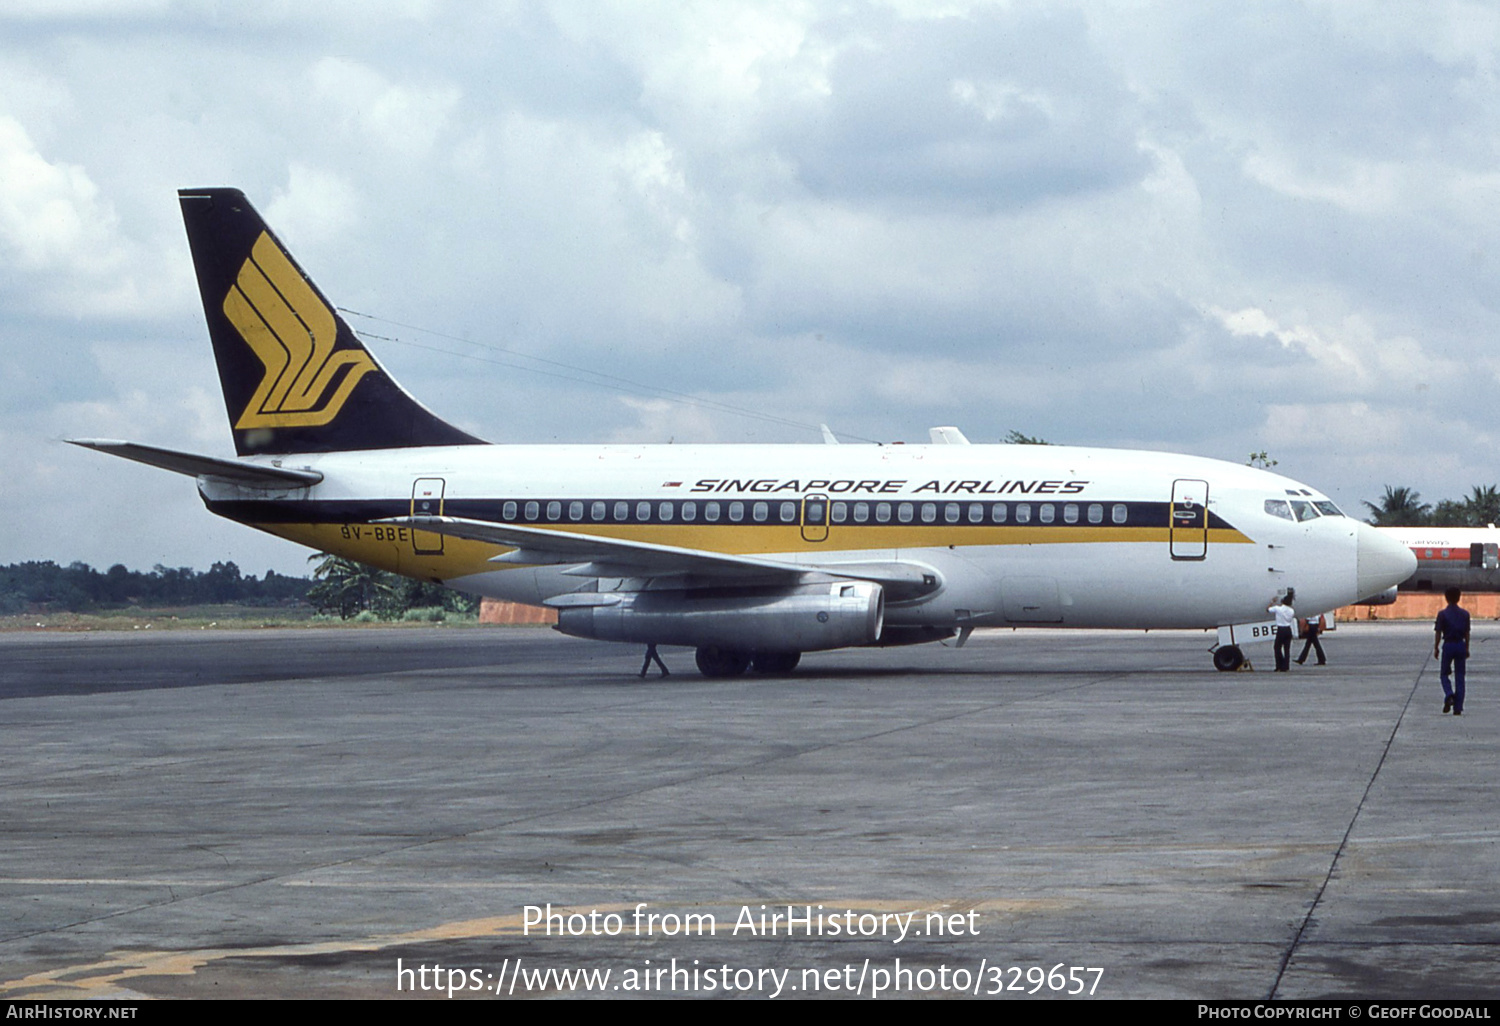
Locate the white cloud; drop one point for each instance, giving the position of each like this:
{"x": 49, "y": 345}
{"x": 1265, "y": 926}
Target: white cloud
{"x": 1335, "y": 355}
{"x": 401, "y": 119}
{"x": 1001, "y": 101}
{"x": 316, "y": 205}
{"x": 62, "y": 250}
{"x": 1073, "y": 219}
{"x": 1362, "y": 187}
{"x": 51, "y": 216}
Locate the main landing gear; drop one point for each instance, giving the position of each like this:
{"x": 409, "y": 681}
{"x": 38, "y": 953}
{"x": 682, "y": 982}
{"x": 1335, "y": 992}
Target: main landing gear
{"x": 714, "y": 661}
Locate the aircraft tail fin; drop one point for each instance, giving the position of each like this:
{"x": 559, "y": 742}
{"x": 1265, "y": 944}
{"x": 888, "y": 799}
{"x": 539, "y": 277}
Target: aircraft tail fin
{"x": 295, "y": 376}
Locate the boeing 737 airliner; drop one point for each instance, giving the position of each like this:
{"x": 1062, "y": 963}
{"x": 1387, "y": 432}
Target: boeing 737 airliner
{"x": 751, "y": 554}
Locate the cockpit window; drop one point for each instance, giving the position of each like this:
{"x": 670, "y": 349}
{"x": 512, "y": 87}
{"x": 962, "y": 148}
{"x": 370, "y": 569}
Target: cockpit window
{"x": 1304, "y": 510}
{"x": 1328, "y": 509}
{"x": 1279, "y": 508}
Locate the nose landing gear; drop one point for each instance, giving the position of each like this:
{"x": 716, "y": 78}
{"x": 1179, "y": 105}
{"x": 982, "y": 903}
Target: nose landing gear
{"x": 1228, "y": 658}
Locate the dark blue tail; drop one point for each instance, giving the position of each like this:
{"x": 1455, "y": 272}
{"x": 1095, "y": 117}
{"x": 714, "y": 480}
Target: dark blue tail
{"x": 295, "y": 377}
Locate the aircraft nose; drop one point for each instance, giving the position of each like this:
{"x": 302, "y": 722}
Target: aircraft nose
{"x": 1381, "y": 563}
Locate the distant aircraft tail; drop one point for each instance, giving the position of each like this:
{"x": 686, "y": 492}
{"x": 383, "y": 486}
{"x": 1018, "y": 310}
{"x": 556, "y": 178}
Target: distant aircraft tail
{"x": 296, "y": 378}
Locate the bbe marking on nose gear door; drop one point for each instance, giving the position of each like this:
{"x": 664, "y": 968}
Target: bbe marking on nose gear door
{"x": 427, "y": 501}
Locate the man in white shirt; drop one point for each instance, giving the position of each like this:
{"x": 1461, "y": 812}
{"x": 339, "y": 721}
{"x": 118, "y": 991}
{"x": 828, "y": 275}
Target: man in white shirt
{"x": 1286, "y": 620}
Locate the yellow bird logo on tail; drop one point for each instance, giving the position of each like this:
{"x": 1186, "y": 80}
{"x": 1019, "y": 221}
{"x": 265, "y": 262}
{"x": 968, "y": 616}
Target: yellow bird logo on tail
{"x": 293, "y": 332}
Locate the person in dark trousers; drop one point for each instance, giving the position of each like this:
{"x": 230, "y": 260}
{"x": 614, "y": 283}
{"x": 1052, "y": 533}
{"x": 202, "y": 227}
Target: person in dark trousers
{"x": 1314, "y": 628}
{"x": 1451, "y": 643}
{"x": 650, "y": 655}
{"x": 1286, "y": 620}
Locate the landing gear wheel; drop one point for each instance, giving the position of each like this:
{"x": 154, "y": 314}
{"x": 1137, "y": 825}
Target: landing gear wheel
{"x": 1228, "y": 658}
{"x": 775, "y": 664}
{"x": 714, "y": 661}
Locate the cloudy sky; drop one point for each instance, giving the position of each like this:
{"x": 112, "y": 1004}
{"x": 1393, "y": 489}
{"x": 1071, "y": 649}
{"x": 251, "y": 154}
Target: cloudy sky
{"x": 1214, "y": 228}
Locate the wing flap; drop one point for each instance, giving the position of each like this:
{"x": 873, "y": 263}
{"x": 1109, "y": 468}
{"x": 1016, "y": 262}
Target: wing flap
{"x": 593, "y": 555}
{"x": 601, "y": 556}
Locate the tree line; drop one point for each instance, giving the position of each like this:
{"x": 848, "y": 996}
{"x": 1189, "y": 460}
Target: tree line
{"x": 338, "y": 586}
{"x": 1402, "y": 507}
{"x": 78, "y": 587}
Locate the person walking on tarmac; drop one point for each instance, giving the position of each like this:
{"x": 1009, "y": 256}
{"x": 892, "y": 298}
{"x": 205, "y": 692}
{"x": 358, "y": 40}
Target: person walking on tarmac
{"x": 651, "y": 657}
{"x": 1451, "y": 643}
{"x": 1286, "y": 619}
{"x": 1314, "y": 628}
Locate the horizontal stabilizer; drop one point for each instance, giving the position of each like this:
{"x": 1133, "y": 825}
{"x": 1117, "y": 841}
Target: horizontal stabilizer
{"x": 194, "y": 465}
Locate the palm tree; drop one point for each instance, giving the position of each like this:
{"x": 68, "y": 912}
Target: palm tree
{"x": 1483, "y": 505}
{"x": 349, "y": 587}
{"x": 1450, "y": 513}
{"x": 1399, "y": 507}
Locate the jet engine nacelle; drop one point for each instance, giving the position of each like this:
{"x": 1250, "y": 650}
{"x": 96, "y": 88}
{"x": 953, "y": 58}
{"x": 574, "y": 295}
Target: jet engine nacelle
{"x": 806, "y": 618}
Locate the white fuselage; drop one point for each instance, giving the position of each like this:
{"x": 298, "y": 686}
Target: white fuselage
{"x": 1041, "y": 535}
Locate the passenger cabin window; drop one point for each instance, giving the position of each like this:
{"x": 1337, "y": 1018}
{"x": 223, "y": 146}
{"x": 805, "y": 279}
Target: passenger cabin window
{"x": 1070, "y": 513}
{"x": 929, "y": 512}
{"x": 664, "y": 511}
{"x": 998, "y": 512}
{"x": 1023, "y": 512}
{"x": 1096, "y": 513}
{"x": 533, "y": 510}
{"x": 622, "y": 511}
{"x": 597, "y": 510}
{"x": 711, "y": 511}
{"x": 905, "y": 512}
{"x": 643, "y": 511}
{"x": 554, "y": 510}
{"x": 508, "y": 511}
{"x": 736, "y": 511}
{"x": 883, "y": 512}
{"x": 840, "y": 512}
{"x": 861, "y": 512}
{"x": 1279, "y": 508}
{"x": 1118, "y": 512}
{"x": 690, "y": 511}
{"x": 1046, "y": 513}
{"x": 760, "y": 511}
{"x": 950, "y": 512}
{"x": 575, "y": 510}
{"x": 788, "y": 512}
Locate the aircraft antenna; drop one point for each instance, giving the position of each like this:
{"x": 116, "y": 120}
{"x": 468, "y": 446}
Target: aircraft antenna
{"x": 594, "y": 377}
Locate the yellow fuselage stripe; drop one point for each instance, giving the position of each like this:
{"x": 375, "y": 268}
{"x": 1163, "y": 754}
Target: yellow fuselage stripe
{"x": 392, "y": 548}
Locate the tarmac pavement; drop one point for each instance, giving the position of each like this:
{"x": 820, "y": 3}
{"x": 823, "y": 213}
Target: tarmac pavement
{"x": 289, "y": 813}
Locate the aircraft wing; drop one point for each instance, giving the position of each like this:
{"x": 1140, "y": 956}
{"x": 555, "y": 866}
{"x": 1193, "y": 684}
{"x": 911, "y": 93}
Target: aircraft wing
{"x": 599, "y": 556}
{"x": 194, "y": 465}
